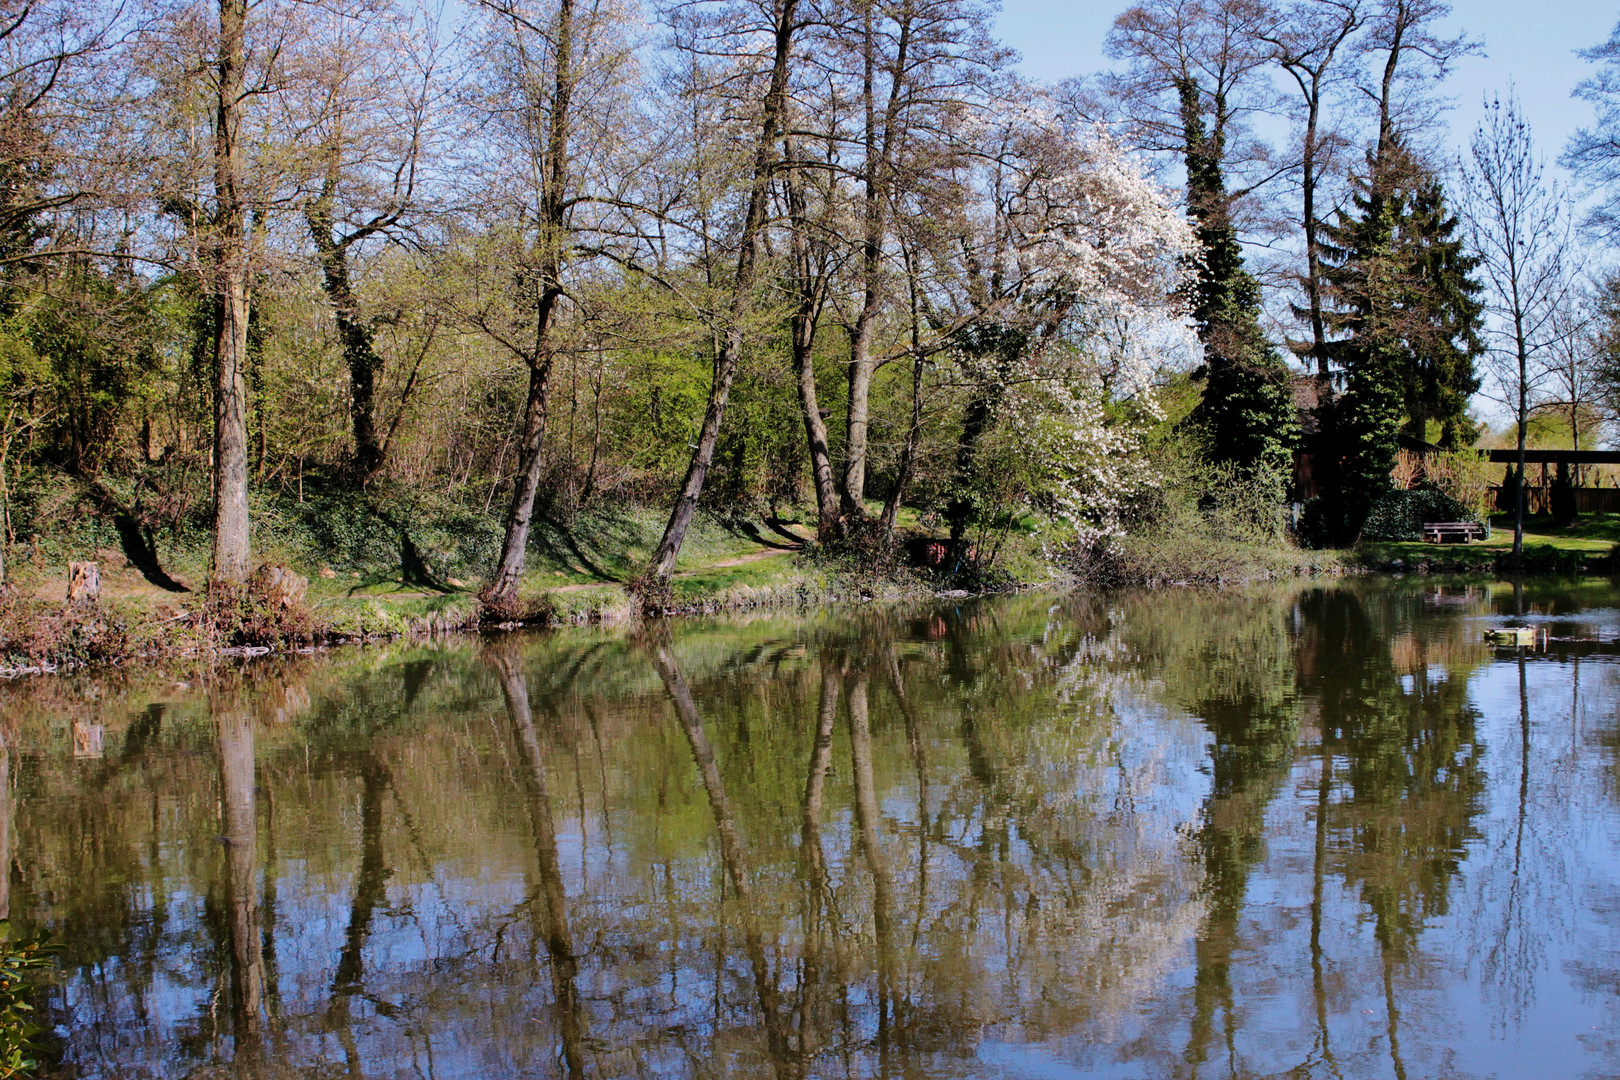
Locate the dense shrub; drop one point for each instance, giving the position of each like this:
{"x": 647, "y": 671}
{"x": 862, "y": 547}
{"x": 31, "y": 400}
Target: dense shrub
{"x": 1399, "y": 515}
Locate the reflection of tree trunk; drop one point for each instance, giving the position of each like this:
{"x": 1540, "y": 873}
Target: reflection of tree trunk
{"x": 919, "y": 761}
{"x": 814, "y": 861}
{"x": 1324, "y": 791}
{"x": 1393, "y": 1016}
{"x": 370, "y": 890}
{"x": 866, "y": 818}
{"x": 239, "y": 813}
{"x": 731, "y": 851}
{"x": 551, "y": 904}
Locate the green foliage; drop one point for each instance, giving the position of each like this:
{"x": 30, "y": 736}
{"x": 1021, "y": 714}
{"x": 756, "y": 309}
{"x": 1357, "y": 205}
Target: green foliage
{"x": 20, "y": 961}
{"x": 1205, "y": 525}
{"x": 1405, "y": 309}
{"x": 1394, "y": 515}
{"x": 1402, "y": 295}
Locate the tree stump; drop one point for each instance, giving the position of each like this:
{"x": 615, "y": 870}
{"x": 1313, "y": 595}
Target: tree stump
{"x": 278, "y": 586}
{"x": 84, "y": 583}
{"x": 87, "y": 737}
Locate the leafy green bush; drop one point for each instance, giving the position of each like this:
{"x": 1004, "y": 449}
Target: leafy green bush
{"x": 18, "y": 961}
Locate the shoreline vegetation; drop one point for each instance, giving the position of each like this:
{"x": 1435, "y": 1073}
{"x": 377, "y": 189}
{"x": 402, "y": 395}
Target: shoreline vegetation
{"x": 340, "y": 575}
{"x": 379, "y": 322}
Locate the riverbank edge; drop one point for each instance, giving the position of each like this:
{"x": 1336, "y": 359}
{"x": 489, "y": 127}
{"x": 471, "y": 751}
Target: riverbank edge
{"x": 42, "y": 638}
{"x": 63, "y": 638}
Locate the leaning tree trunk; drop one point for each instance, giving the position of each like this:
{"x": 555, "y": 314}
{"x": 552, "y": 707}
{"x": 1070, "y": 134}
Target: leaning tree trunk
{"x": 520, "y": 513}
{"x": 231, "y": 553}
{"x": 908, "y": 455}
{"x": 536, "y": 411}
{"x": 656, "y": 578}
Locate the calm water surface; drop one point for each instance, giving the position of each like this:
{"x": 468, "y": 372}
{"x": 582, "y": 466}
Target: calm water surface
{"x": 1320, "y": 832}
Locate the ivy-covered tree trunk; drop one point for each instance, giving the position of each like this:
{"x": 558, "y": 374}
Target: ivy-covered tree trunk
{"x": 1369, "y": 417}
{"x": 1246, "y": 412}
{"x": 959, "y": 510}
{"x": 359, "y": 354}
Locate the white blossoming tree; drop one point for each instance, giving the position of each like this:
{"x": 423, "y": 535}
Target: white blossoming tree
{"x": 1050, "y": 237}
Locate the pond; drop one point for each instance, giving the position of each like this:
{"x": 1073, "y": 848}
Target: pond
{"x": 1305, "y": 831}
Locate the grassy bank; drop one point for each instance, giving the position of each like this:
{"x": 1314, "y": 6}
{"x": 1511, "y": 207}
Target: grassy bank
{"x": 389, "y": 571}
{"x": 1586, "y": 545}
{"x": 383, "y": 569}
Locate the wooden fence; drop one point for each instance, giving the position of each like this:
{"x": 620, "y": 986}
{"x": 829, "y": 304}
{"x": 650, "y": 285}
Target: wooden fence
{"x": 1588, "y": 500}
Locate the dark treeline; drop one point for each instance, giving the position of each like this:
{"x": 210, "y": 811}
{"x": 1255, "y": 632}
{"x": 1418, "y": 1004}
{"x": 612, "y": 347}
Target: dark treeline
{"x": 526, "y": 258}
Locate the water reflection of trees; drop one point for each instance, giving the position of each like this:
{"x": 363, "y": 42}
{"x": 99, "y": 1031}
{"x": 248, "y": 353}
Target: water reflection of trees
{"x": 791, "y": 849}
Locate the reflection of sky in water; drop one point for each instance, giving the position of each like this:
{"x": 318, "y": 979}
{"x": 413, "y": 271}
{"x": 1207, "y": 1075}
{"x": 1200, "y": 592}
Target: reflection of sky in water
{"x": 1165, "y": 836}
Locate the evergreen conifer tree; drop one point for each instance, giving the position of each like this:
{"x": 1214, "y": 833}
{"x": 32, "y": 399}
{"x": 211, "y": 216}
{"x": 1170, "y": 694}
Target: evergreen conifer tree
{"x": 1405, "y": 316}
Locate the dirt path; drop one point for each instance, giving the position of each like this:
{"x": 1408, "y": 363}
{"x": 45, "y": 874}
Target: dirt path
{"x": 740, "y": 560}
{"x": 722, "y": 564}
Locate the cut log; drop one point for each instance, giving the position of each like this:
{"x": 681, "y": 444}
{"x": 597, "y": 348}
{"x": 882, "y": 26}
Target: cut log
{"x": 278, "y": 586}
{"x": 84, "y": 583}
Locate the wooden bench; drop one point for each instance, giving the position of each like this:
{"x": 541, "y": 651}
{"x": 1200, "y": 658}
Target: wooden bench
{"x": 1452, "y": 532}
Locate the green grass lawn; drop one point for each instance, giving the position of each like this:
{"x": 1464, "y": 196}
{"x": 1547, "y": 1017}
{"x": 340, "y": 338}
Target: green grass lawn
{"x": 1590, "y": 534}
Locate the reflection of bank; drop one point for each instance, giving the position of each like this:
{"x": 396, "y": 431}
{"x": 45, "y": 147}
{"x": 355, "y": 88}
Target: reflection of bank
{"x": 5, "y": 825}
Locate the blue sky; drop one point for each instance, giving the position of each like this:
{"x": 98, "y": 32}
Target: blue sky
{"x": 1528, "y": 43}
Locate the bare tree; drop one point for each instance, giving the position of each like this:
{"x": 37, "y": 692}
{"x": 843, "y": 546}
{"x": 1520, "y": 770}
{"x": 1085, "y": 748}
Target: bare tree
{"x": 1594, "y": 153}
{"x": 781, "y": 22}
{"x": 1408, "y": 57}
{"x": 810, "y": 191}
{"x": 553, "y": 76}
{"x": 1520, "y": 225}
{"x": 1308, "y": 40}
{"x": 920, "y": 63}
{"x": 1198, "y": 64}
{"x": 365, "y": 105}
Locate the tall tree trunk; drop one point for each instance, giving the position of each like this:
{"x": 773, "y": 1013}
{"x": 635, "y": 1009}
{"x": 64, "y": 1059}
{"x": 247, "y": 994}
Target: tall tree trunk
{"x": 878, "y": 143}
{"x": 811, "y": 288}
{"x": 1313, "y": 245}
{"x": 908, "y": 455}
{"x": 655, "y": 579}
{"x": 526, "y": 485}
{"x": 553, "y": 214}
{"x": 1522, "y": 425}
{"x": 231, "y": 553}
